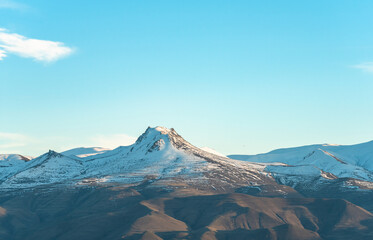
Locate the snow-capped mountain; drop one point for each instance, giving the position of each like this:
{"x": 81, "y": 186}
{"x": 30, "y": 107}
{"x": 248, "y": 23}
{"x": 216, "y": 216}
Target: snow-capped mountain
{"x": 13, "y": 158}
{"x": 162, "y": 155}
{"x": 51, "y": 167}
{"x": 324, "y": 161}
{"x": 11, "y": 163}
{"x": 159, "y": 154}
{"x": 163, "y": 187}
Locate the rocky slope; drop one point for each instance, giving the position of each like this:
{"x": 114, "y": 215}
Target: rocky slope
{"x": 138, "y": 212}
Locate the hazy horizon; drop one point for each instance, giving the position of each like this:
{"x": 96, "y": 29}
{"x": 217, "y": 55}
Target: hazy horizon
{"x": 111, "y": 142}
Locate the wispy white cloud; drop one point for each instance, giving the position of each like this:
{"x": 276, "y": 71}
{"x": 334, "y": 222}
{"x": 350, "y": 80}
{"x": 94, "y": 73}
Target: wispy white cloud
{"x": 11, "y": 141}
{"x": 2, "y": 54}
{"x": 35, "y": 146}
{"x": 11, "y": 5}
{"x": 41, "y": 50}
{"x": 366, "y": 67}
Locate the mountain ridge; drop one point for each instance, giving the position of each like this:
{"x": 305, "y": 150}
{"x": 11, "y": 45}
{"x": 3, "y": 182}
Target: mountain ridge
{"x": 164, "y": 187}
{"x": 159, "y": 154}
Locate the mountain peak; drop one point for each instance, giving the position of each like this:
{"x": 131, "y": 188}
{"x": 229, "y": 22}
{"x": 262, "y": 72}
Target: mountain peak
{"x": 152, "y": 134}
{"x": 162, "y": 130}
{"x": 52, "y": 153}
{"x": 153, "y": 139}
{"x": 158, "y": 138}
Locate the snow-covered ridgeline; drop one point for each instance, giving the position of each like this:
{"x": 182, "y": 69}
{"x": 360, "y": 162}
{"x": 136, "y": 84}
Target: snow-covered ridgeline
{"x": 353, "y": 161}
{"x": 159, "y": 152}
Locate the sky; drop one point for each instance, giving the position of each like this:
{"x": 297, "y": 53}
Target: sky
{"x": 241, "y": 77}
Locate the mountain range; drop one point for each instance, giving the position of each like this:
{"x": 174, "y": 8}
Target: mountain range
{"x": 163, "y": 187}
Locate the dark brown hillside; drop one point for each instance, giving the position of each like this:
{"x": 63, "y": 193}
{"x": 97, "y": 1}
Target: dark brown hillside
{"x": 128, "y": 213}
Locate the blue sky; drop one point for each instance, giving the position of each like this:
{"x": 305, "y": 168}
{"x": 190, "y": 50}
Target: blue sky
{"x": 236, "y": 76}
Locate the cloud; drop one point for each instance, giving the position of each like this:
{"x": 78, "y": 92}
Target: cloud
{"x": 2, "y": 54}
{"x": 10, "y": 141}
{"x": 35, "y": 146}
{"x": 11, "y": 4}
{"x": 366, "y": 67}
{"x": 41, "y": 50}
{"x": 112, "y": 141}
